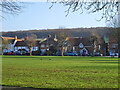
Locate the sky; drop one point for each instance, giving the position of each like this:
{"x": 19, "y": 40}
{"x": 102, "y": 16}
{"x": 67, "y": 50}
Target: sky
{"x": 37, "y": 15}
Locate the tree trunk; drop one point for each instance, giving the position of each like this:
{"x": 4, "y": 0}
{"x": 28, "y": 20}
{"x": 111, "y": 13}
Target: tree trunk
{"x": 93, "y": 53}
{"x": 2, "y": 51}
{"x": 119, "y": 50}
{"x": 62, "y": 51}
{"x": 92, "y": 50}
{"x": 30, "y": 52}
{"x": 118, "y": 47}
{"x": 118, "y": 39}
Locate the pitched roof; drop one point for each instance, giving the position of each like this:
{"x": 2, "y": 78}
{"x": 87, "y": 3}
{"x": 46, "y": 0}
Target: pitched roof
{"x": 112, "y": 39}
{"x": 20, "y": 43}
{"x": 8, "y": 38}
{"x": 12, "y": 38}
{"x": 75, "y": 41}
{"x": 23, "y": 43}
{"x": 49, "y": 40}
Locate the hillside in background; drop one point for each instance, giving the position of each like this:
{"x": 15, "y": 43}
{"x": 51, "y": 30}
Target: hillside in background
{"x": 74, "y": 32}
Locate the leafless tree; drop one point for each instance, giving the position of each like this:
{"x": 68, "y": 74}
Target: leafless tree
{"x": 108, "y": 8}
{"x": 95, "y": 39}
{"x": 115, "y": 23}
{"x": 62, "y": 40}
{"x": 10, "y": 7}
{"x": 4, "y": 44}
{"x": 31, "y": 42}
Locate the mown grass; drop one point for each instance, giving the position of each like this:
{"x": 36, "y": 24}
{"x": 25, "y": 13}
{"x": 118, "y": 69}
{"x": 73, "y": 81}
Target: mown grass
{"x": 60, "y": 72}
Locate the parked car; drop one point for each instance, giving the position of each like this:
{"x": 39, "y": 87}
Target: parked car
{"x": 72, "y": 54}
{"x": 17, "y": 53}
{"x": 58, "y": 54}
{"x": 5, "y": 53}
{"x": 84, "y": 55}
{"x": 116, "y": 54}
{"x": 97, "y": 54}
{"x": 10, "y": 53}
{"x": 67, "y": 54}
{"x": 112, "y": 54}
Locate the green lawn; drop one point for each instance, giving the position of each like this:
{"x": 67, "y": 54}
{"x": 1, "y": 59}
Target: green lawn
{"x": 60, "y": 72}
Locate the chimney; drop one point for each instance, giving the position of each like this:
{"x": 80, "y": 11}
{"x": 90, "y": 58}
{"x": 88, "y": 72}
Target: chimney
{"x": 15, "y": 37}
{"x": 55, "y": 39}
{"x": 26, "y": 38}
{"x": 55, "y": 36}
{"x": 67, "y": 38}
{"x": 49, "y": 36}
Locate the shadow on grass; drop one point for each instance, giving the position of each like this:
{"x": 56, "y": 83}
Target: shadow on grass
{"x": 95, "y": 67}
{"x": 106, "y": 62}
{"x": 19, "y": 57}
{"x": 30, "y": 88}
{"x": 24, "y": 56}
{"x": 103, "y": 60}
{"x": 5, "y": 87}
{"x": 46, "y": 57}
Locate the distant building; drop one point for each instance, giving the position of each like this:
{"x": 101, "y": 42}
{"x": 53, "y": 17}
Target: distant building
{"x": 13, "y": 41}
{"x": 113, "y": 46}
{"x": 81, "y": 45}
{"x": 45, "y": 45}
{"x": 20, "y": 46}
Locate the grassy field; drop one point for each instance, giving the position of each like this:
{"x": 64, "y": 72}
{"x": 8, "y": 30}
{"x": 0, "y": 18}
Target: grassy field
{"x": 60, "y": 72}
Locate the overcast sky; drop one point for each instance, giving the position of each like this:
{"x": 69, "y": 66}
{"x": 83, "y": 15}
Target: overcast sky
{"x": 37, "y": 15}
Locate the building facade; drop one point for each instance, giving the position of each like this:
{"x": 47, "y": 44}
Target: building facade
{"x": 81, "y": 45}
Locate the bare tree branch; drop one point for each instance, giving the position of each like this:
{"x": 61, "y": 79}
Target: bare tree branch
{"x": 108, "y": 9}
{"x": 10, "y": 6}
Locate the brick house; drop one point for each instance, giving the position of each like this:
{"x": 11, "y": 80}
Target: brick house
{"x": 78, "y": 44}
{"x": 45, "y": 45}
{"x": 82, "y": 45}
{"x": 20, "y": 46}
{"x": 113, "y": 46}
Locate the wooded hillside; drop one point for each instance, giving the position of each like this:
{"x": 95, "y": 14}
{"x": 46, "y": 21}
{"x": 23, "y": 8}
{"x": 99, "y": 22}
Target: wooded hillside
{"x": 75, "y": 32}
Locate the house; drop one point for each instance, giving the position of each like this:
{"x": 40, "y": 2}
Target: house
{"x": 19, "y": 45}
{"x": 113, "y": 46}
{"x": 78, "y": 44}
{"x": 12, "y": 43}
{"x": 45, "y": 45}
{"x": 81, "y": 45}
{"x": 22, "y": 47}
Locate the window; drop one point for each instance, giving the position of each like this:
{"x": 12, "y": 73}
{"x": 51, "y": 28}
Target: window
{"x": 50, "y": 45}
{"x": 42, "y": 45}
{"x": 69, "y": 49}
{"x": 94, "y": 46}
{"x": 99, "y": 47}
{"x": 81, "y": 45}
{"x": 35, "y": 48}
{"x": 69, "y": 45}
{"x": 113, "y": 46}
{"x": 113, "y": 50}
{"x": 66, "y": 49}
{"x": 73, "y": 48}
